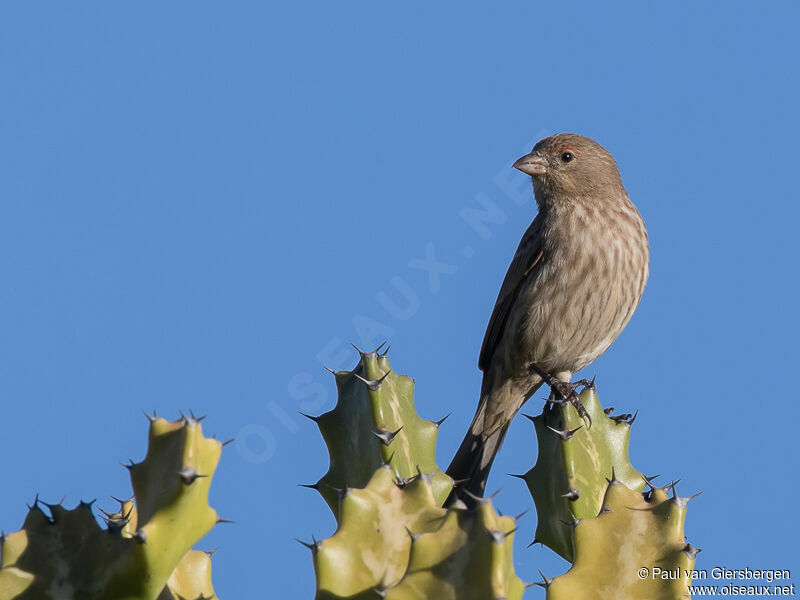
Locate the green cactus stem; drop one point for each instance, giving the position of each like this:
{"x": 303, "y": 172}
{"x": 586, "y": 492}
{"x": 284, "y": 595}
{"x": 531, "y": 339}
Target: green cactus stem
{"x": 632, "y": 531}
{"x": 375, "y": 422}
{"x": 569, "y": 479}
{"x": 66, "y": 554}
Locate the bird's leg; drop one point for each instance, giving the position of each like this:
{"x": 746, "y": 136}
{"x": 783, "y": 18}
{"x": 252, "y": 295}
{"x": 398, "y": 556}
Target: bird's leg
{"x": 566, "y": 391}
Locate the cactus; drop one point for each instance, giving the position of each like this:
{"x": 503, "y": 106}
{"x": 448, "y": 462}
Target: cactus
{"x": 371, "y": 547}
{"x": 375, "y": 422}
{"x": 470, "y": 557}
{"x": 593, "y": 512}
{"x": 67, "y": 554}
{"x": 568, "y": 480}
{"x": 190, "y": 579}
{"x": 395, "y": 540}
{"x": 384, "y": 487}
{"x": 632, "y": 531}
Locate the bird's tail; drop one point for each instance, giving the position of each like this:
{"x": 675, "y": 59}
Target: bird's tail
{"x": 472, "y": 462}
{"x": 471, "y": 465}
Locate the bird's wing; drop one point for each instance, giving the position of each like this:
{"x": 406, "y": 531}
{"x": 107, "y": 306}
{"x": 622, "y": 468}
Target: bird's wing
{"x": 528, "y": 255}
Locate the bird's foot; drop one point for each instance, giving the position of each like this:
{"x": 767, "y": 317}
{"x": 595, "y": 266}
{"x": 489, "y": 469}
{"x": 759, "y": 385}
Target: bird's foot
{"x": 564, "y": 391}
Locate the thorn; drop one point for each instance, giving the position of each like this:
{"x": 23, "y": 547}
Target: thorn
{"x": 531, "y": 417}
{"x": 128, "y": 466}
{"x": 414, "y": 536}
{"x": 477, "y": 499}
{"x": 381, "y": 593}
{"x": 313, "y": 546}
{"x": 56, "y": 505}
{"x": 194, "y": 418}
{"x": 535, "y": 541}
{"x": 378, "y": 349}
{"x": 149, "y": 418}
{"x": 388, "y": 461}
{"x": 401, "y": 482}
{"x": 425, "y": 477}
{"x": 571, "y": 524}
{"x": 223, "y": 521}
{"x": 373, "y": 384}
{"x": 385, "y": 352}
{"x": 649, "y": 480}
{"x": 385, "y": 436}
{"x": 633, "y": 418}
{"x": 572, "y": 494}
{"x": 140, "y": 536}
{"x": 604, "y": 509}
{"x": 520, "y": 515}
{"x": 329, "y": 370}
{"x": 315, "y": 419}
{"x": 188, "y": 475}
{"x": 608, "y": 410}
{"x": 566, "y": 433}
{"x": 692, "y": 551}
{"x": 682, "y": 501}
{"x": 457, "y": 504}
{"x": 211, "y": 553}
{"x": 442, "y": 420}
{"x": 499, "y": 537}
{"x": 226, "y": 442}
{"x": 516, "y": 475}
{"x": 360, "y": 351}
{"x": 672, "y": 489}
{"x": 310, "y": 486}
{"x": 613, "y": 480}
{"x": 88, "y": 504}
{"x": 546, "y": 581}
{"x": 493, "y": 496}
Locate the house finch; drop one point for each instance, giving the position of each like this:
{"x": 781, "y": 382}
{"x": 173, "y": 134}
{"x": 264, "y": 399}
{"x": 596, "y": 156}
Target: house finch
{"x": 572, "y": 286}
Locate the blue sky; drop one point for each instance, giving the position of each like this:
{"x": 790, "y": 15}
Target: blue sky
{"x": 201, "y": 204}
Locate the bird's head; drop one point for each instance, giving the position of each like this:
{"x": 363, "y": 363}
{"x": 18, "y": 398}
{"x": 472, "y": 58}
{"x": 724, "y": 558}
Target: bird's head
{"x": 567, "y": 166}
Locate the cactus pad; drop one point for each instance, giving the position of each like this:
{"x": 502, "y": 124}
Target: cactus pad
{"x": 470, "y": 557}
{"x": 395, "y": 541}
{"x": 67, "y": 555}
{"x": 375, "y": 422}
{"x": 371, "y": 547}
{"x": 569, "y": 479}
{"x": 632, "y": 531}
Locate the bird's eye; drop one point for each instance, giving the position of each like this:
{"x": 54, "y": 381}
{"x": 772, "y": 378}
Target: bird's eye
{"x": 567, "y": 157}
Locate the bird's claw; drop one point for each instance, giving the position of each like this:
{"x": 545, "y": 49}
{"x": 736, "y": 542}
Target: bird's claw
{"x": 564, "y": 391}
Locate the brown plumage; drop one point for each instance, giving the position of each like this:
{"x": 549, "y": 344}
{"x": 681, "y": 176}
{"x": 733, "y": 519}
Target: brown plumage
{"x": 572, "y": 286}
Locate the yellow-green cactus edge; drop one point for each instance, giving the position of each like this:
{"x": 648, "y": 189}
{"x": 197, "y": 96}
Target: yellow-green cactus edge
{"x": 375, "y": 422}
{"x": 569, "y": 478}
{"x": 371, "y": 547}
{"x": 469, "y": 557}
{"x": 633, "y": 532}
{"x": 68, "y": 555}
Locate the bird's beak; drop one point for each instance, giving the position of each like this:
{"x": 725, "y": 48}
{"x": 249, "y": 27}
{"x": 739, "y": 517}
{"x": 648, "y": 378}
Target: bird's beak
{"x": 533, "y": 164}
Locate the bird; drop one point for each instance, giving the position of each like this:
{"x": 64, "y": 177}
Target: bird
{"x": 573, "y": 285}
